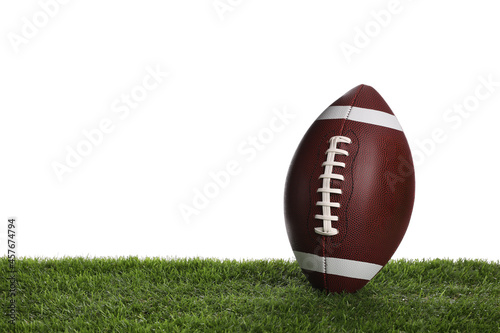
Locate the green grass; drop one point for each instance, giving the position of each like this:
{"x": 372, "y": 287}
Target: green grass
{"x": 195, "y": 295}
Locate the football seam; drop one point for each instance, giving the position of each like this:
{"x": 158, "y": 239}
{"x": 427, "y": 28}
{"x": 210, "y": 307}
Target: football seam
{"x": 350, "y": 107}
{"x": 325, "y": 279}
{"x": 353, "y": 161}
{"x": 325, "y": 274}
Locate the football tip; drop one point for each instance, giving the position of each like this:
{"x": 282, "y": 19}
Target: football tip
{"x": 363, "y": 96}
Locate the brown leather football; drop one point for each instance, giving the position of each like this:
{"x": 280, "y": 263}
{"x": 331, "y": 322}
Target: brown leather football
{"x": 349, "y": 192}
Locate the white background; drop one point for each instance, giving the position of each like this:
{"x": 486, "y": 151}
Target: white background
{"x": 231, "y": 66}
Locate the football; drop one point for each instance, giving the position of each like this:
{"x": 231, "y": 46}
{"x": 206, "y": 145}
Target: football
{"x": 349, "y": 192}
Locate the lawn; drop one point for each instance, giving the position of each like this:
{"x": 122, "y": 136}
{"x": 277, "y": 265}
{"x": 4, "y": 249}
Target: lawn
{"x": 206, "y": 295}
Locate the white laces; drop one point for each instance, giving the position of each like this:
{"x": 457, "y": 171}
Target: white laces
{"x": 326, "y": 190}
